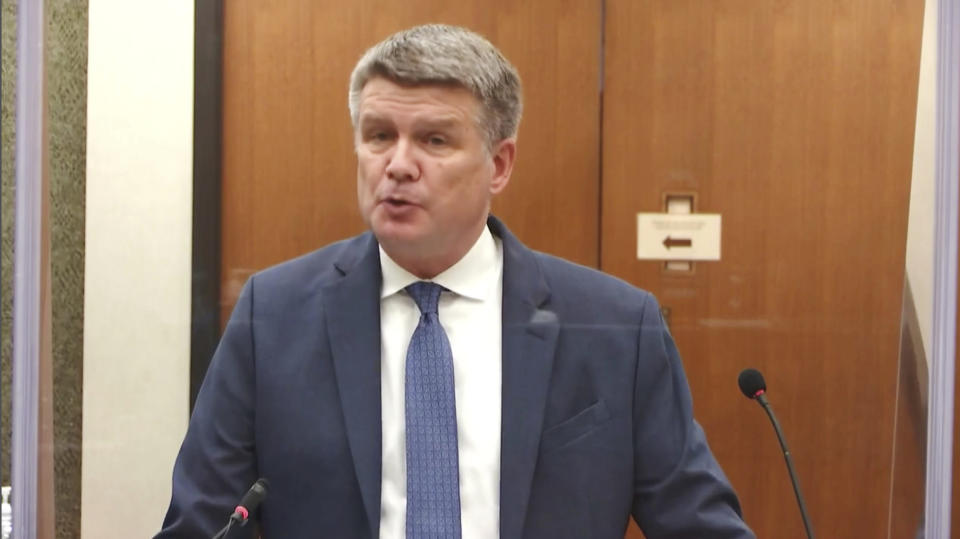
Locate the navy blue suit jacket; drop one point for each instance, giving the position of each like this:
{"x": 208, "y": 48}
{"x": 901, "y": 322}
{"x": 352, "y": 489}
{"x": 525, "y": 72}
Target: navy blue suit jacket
{"x": 597, "y": 421}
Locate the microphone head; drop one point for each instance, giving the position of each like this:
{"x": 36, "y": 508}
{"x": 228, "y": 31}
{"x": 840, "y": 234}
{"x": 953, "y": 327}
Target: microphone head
{"x": 248, "y": 504}
{"x": 251, "y": 500}
{"x": 751, "y": 383}
{"x": 261, "y": 486}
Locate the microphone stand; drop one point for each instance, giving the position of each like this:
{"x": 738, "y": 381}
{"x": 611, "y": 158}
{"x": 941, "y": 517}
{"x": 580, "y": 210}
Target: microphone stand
{"x": 224, "y": 531}
{"x": 762, "y": 399}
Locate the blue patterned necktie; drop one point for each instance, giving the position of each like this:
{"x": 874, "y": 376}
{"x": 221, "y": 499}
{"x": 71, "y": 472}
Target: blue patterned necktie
{"x": 433, "y": 481}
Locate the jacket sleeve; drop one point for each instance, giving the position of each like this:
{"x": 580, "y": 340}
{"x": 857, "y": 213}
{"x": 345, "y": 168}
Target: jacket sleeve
{"x": 679, "y": 489}
{"x": 217, "y": 462}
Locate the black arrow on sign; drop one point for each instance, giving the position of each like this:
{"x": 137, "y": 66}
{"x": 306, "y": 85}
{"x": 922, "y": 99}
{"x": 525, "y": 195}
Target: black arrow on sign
{"x": 674, "y": 242}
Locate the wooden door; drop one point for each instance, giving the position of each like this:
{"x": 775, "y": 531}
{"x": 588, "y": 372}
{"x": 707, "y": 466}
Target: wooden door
{"x": 288, "y": 165}
{"x": 794, "y": 119}
{"x": 791, "y": 118}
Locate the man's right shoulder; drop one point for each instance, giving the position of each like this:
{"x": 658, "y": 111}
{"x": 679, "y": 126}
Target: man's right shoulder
{"x": 317, "y": 267}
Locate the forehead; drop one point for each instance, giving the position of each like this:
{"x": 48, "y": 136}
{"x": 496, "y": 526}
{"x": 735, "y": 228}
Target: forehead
{"x": 382, "y": 98}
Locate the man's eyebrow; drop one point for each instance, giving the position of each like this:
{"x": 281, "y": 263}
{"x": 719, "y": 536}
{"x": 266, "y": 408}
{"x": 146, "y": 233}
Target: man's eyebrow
{"x": 438, "y": 122}
{"x": 445, "y": 122}
{"x": 372, "y": 118}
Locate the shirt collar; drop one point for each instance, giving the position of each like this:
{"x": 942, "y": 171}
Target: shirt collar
{"x": 473, "y": 276}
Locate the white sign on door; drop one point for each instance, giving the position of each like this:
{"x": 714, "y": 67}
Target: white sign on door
{"x": 663, "y": 236}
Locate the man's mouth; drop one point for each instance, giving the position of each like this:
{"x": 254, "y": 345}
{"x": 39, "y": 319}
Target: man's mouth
{"x": 396, "y": 202}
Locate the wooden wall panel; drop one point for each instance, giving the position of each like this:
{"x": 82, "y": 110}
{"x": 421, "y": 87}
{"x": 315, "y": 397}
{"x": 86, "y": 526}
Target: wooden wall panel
{"x": 794, "y": 119}
{"x": 289, "y": 169}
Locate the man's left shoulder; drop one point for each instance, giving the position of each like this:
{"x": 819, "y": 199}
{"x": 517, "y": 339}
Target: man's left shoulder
{"x": 575, "y": 284}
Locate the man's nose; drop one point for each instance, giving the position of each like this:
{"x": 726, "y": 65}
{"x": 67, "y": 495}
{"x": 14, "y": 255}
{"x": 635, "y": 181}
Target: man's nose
{"x": 403, "y": 164}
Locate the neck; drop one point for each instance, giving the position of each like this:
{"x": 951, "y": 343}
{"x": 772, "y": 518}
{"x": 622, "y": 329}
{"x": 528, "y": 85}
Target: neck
{"x": 429, "y": 265}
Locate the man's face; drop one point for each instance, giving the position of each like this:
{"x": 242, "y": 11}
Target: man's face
{"x": 424, "y": 174}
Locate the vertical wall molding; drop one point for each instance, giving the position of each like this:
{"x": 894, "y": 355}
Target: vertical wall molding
{"x": 207, "y": 158}
{"x": 32, "y": 451}
{"x": 939, "y": 448}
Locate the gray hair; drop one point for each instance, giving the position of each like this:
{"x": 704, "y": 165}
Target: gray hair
{"x": 442, "y": 54}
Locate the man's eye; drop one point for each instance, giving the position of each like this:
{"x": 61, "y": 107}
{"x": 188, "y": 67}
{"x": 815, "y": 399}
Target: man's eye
{"x": 436, "y": 140}
{"x": 376, "y": 136}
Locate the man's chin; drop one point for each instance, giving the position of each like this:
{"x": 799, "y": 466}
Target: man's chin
{"x": 397, "y": 233}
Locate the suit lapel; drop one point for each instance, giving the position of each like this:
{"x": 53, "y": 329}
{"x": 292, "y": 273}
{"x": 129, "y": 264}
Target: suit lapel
{"x": 352, "y": 313}
{"x": 529, "y": 343}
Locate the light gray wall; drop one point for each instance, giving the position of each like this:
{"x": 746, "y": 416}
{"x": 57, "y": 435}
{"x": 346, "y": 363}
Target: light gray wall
{"x": 138, "y": 261}
{"x": 921, "y": 222}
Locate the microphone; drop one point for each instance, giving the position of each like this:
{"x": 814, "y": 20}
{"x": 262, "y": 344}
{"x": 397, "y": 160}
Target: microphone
{"x": 754, "y": 387}
{"x": 248, "y": 504}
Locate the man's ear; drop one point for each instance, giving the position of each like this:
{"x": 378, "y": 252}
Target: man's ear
{"x": 504, "y": 155}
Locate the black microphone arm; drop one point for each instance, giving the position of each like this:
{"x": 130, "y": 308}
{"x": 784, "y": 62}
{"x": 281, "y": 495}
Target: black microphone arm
{"x": 754, "y": 387}
{"x": 762, "y": 399}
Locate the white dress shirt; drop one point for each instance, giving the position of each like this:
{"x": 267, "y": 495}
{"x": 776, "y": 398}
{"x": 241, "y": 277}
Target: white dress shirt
{"x": 471, "y": 316}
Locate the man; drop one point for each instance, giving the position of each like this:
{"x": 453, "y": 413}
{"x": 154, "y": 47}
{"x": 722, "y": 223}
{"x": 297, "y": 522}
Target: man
{"x": 434, "y": 377}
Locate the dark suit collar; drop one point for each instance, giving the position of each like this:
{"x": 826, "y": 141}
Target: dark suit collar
{"x": 360, "y": 250}
{"x": 352, "y": 313}
{"x": 529, "y": 329}
{"x": 530, "y": 332}
{"x": 522, "y": 280}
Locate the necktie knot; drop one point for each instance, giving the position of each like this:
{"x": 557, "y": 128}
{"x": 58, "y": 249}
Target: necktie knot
{"x": 426, "y": 295}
